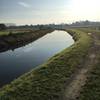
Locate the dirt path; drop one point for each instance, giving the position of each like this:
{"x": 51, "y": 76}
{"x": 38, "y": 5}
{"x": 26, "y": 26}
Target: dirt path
{"x": 78, "y": 79}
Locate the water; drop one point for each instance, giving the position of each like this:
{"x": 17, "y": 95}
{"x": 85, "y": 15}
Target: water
{"x": 23, "y": 59}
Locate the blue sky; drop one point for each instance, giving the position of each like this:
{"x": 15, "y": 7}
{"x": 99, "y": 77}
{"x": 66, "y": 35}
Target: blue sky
{"x": 48, "y": 11}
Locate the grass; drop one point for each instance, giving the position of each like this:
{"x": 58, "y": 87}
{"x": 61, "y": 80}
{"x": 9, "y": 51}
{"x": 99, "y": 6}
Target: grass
{"x": 90, "y": 30}
{"x": 47, "y": 81}
{"x": 15, "y": 31}
{"x": 91, "y": 90}
{"x": 4, "y": 33}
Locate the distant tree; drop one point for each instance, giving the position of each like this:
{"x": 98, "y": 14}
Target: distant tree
{"x": 3, "y": 27}
{"x": 41, "y": 27}
{"x": 87, "y": 22}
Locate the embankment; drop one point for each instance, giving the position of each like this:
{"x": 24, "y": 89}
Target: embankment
{"x": 12, "y": 41}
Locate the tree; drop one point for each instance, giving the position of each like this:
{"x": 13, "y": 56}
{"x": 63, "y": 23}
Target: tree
{"x": 2, "y": 26}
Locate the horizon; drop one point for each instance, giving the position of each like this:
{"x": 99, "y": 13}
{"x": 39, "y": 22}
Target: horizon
{"x": 80, "y": 21}
{"x": 22, "y": 12}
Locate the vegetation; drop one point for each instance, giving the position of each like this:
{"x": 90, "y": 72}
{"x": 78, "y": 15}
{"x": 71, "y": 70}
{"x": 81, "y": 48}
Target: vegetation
{"x": 2, "y": 27}
{"x": 47, "y": 81}
{"x": 5, "y": 32}
{"x": 90, "y": 30}
{"x": 16, "y": 31}
{"x": 14, "y": 40}
{"x": 91, "y": 90}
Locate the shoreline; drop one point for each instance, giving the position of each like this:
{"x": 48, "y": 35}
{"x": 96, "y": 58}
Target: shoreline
{"x": 13, "y": 41}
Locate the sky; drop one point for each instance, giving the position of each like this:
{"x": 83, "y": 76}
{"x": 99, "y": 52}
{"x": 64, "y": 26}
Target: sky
{"x": 48, "y": 11}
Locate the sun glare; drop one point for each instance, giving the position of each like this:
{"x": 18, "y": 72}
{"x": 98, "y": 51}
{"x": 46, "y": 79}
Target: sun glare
{"x": 83, "y": 9}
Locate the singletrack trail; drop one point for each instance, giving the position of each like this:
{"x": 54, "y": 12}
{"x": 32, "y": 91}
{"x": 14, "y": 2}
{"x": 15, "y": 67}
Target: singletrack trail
{"x": 78, "y": 79}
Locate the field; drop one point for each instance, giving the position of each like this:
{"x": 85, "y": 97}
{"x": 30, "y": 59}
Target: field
{"x": 48, "y": 81}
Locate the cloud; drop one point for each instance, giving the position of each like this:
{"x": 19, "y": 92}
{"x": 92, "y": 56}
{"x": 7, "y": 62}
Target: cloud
{"x": 24, "y": 4}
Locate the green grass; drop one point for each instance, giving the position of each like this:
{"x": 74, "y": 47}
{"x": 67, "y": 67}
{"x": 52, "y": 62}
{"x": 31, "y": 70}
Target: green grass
{"x": 47, "y": 81}
{"x": 4, "y": 33}
{"x": 91, "y": 90}
{"x": 15, "y": 31}
{"x": 7, "y": 32}
{"x": 90, "y": 30}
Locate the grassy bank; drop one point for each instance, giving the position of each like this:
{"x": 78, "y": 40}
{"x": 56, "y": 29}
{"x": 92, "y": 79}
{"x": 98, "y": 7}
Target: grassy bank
{"x": 14, "y": 40}
{"x": 47, "y": 82}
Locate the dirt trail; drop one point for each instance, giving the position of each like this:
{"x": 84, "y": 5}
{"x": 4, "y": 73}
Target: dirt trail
{"x": 79, "y": 78}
